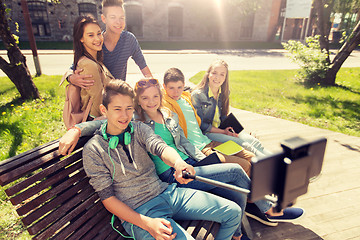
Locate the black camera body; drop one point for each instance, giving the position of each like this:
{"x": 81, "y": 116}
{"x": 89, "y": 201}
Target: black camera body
{"x": 287, "y": 174}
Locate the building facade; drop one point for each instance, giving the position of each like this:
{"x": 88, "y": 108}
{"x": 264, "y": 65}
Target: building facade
{"x": 154, "y": 20}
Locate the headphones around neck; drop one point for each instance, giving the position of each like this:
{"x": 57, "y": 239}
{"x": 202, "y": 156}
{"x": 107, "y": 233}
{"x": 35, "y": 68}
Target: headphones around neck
{"x": 114, "y": 140}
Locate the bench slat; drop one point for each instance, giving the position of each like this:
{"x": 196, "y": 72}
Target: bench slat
{"x": 196, "y": 229}
{"x": 50, "y": 193}
{"x": 204, "y": 228}
{"x": 26, "y": 168}
{"x": 71, "y": 228}
{"x": 61, "y": 211}
{"x": 114, "y": 235}
{"x": 19, "y": 160}
{"x": 184, "y": 223}
{"x": 58, "y": 201}
{"x": 36, "y": 189}
{"x": 99, "y": 227}
{"x": 99, "y": 218}
{"x": 64, "y": 221}
{"x": 44, "y": 173}
{"x": 106, "y": 233}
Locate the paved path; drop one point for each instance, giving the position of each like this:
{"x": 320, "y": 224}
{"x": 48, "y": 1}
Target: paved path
{"x": 332, "y": 202}
{"x": 56, "y": 62}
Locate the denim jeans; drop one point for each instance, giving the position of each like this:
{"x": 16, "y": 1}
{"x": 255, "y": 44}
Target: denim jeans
{"x": 230, "y": 173}
{"x": 244, "y": 139}
{"x": 188, "y": 204}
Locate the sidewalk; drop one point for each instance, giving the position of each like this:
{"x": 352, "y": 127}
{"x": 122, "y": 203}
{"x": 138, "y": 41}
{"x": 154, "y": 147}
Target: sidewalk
{"x": 56, "y": 62}
{"x": 185, "y": 51}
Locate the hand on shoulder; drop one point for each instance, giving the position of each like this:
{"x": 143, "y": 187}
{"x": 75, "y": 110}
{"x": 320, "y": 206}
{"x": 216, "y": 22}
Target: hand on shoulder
{"x": 81, "y": 80}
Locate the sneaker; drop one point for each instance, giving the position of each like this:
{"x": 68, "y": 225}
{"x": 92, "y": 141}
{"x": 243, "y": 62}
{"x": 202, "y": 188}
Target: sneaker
{"x": 290, "y": 214}
{"x": 254, "y": 212}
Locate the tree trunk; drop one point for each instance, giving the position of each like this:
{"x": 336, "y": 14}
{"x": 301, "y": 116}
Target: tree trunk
{"x": 16, "y": 69}
{"x": 352, "y": 42}
{"x": 324, "y": 24}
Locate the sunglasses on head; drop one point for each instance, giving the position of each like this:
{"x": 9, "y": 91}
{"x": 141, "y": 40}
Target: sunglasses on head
{"x": 147, "y": 83}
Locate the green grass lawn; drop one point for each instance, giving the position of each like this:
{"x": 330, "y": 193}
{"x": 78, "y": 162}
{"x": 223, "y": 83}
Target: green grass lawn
{"x": 276, "y": 93}
{"x": 25, "y": 125}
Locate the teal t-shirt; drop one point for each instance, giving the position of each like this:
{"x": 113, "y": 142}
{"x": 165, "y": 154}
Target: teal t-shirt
{"x": 195, "y": 135}
{"x": 164, "y": 133}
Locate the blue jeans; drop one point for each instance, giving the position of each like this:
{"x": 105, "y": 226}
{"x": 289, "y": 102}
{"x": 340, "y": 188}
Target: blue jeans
{"x": 244, "y": 139}
{"x": 188, "y": 204}
{"x": 231, "y": 173}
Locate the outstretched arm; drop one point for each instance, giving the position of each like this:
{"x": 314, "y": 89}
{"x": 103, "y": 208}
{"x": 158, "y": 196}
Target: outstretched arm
{"x": 171, "y": 157}
{"x": 71, "y": 137}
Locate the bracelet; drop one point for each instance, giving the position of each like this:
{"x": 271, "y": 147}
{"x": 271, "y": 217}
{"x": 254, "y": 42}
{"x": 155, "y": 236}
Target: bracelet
{"x": 68, "y": 78}
{"x": 77, "y": 128}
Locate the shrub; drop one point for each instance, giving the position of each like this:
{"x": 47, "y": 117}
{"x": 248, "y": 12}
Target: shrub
{"x": 312, "y": 60}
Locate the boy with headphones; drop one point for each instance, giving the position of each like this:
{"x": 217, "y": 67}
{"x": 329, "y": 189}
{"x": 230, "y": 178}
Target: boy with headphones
{"x": 120, "y": 170}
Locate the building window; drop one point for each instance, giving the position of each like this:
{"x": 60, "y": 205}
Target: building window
{"x": 87, "y": 9}
{"x": 134, "y": 20}
{"x": 247, "y": 26}
{"x": 175, "y": 21}
{"x": 39, "y": 18}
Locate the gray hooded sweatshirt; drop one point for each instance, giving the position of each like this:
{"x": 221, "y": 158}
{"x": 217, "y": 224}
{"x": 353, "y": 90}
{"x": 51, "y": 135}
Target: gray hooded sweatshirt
{"x": 134, "y": 183}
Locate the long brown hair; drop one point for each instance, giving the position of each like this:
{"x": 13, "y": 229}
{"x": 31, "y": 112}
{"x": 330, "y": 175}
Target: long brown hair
{"x": 78, "y": 32}
{"x": 225, "y": 91}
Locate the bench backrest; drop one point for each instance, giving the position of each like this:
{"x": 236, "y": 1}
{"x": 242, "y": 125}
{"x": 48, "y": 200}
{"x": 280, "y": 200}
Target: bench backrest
{"x": 53, "y": 196}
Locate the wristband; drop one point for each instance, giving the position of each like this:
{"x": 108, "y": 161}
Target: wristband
{"x": 68, "y": 78}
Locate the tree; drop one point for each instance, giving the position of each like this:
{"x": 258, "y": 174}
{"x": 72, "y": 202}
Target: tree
{"x": 323, "y": 10}
{"x": 347, "y": 8}
{"x": 16, "y": 69}
{"x": 351, "y": 43}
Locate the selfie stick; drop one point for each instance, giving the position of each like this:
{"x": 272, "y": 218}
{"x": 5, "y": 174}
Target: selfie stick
{"x": 187, "y": 175}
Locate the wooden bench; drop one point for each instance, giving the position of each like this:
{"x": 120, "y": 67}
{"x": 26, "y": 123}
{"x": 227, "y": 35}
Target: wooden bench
{"x": 53, "y": 196}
